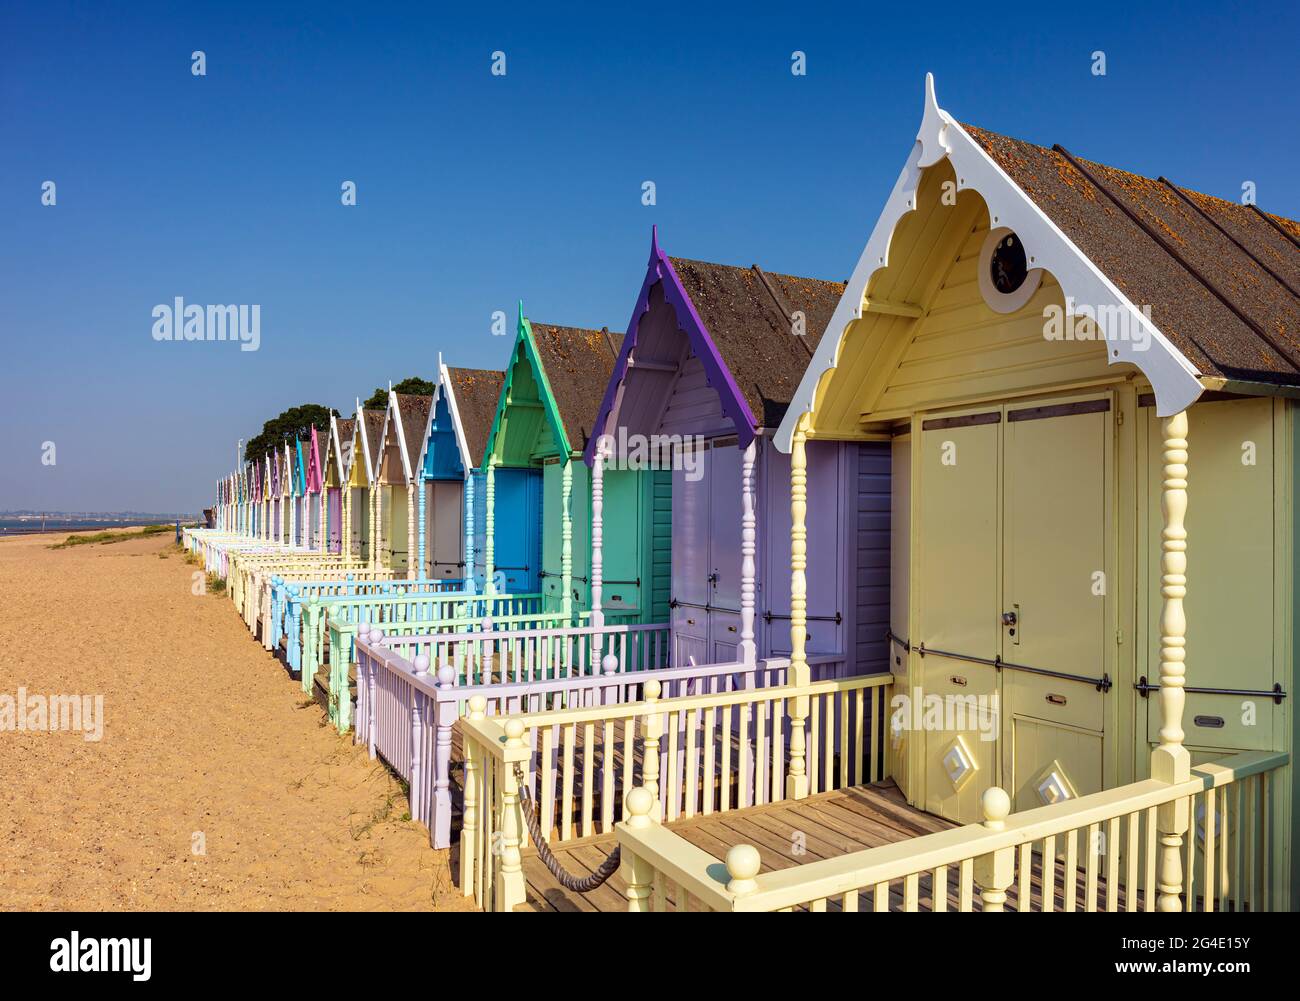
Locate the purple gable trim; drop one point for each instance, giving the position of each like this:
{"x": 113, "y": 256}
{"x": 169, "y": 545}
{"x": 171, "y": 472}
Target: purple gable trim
{"x": 660, "y": 269}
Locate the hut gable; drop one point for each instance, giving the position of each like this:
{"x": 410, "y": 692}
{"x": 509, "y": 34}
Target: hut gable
{"x": 576, "y": 363}
{"x": 551, "y": 392}
{"x": 405, "y": 423}
{"x": 314, "y": 476}
{"x": 1193, "y": 293}
{"x": 475, "y": 392}
{"x": 713, "y": 347}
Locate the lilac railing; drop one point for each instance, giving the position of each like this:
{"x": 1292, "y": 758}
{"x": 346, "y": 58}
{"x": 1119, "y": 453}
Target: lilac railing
{"x": 405, "y": 713}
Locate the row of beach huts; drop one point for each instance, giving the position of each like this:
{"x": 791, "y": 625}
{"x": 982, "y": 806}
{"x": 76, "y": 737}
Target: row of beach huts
{"x": 968, "y": 583}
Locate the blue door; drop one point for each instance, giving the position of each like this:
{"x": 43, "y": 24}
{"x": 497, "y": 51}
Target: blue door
{"x": 517, "y": 517}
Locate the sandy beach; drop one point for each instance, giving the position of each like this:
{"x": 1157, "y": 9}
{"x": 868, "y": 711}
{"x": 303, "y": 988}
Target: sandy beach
{"x": 216, "y": 784}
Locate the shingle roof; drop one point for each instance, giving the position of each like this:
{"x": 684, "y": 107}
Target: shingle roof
{"x": 415, "y": 419}
{"x": 374, "y": 429}
{"x": 577, "y": 364}
{"x": 1222, "y": 279}
{"x": 749, "y": 314}
{"x": 477, "y": 391}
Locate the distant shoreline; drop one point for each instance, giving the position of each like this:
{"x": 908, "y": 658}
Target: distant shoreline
{"x": 8, "y": 529}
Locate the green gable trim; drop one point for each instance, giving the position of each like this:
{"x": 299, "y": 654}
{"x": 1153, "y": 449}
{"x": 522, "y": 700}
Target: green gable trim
{"x": 526, "y": 411}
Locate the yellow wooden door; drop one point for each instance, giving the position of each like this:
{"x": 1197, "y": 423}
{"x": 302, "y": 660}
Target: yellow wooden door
{"x": 1056, "y": 647}
{"x": 957, "y": 607}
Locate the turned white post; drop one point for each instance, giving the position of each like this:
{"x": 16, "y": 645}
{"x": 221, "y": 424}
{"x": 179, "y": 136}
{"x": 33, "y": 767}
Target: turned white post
{"x": 566, "y": 535}
{"x": 597, "y": 547}
{"x": 374, "y": 526}
{"x": 489, "y": 530}
{"x": 748, "y": 537}
{"x": 323, "y": 498}
{"x": 468, "y": 573}
{"x": 421, "y": 486}
{"x": 1170, "y": 761}
{"x": 993, "y": 872}
{"x": 796, "y": 783}
{"x": 345, "y": 523}
{"x": 293, "y": 520}
{"x": 410, "y": 530}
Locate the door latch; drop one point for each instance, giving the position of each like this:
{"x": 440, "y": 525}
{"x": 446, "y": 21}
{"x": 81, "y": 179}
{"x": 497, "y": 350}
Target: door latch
{"x": 1008, "y": 618}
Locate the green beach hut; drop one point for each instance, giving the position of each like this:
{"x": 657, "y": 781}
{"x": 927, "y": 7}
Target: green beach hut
{"x": 535, "y": 476}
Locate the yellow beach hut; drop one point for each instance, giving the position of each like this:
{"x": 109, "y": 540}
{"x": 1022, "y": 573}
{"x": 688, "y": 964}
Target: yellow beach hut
{"x": 1089, "y": 380}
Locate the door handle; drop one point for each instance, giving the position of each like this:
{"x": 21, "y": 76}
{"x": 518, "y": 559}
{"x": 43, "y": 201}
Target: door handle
{"x": 713, "y": 578}
{"x": 1008, "y": 618}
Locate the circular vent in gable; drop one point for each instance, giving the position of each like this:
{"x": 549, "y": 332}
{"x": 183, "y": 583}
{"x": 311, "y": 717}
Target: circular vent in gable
{"x": 1005, "y": 277}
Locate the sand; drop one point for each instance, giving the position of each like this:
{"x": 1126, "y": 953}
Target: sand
{"x": 216, "y": 784}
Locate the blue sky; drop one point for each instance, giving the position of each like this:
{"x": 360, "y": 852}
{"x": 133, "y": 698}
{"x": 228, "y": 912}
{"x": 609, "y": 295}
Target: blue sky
{"x": 474, "y": 190}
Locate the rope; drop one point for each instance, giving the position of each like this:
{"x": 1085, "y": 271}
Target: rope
{"x": 570, "y": 882}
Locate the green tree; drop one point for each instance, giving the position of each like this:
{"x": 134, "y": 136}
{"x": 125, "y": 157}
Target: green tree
{"x": 296, "y": 422}
{"x": 414, "y": 386}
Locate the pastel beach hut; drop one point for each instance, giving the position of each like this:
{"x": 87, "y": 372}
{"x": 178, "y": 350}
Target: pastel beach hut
{"x": 363, "y": 484}
{"x": 712, "y": 356}
{"x": 1088, "y": 381}
{"x": 314, "y": 499}
{"x": 539, "y": 499}
{"x": 268, "y": 514}
{"x": 338, "y": 468}
{"x": 452, "y": 509}
{"x": 301, "y": 510}
{"x": 402, "y": 439}
{"x": 288, "y": 493}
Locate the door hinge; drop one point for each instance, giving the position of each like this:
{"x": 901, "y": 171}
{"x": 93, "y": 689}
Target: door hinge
{"x": 1119, "y": 417}
{"x": 1119, "y": 637}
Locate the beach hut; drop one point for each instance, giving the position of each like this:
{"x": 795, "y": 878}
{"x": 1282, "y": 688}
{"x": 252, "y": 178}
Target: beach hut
{"x": 338, "y": 468}
{"x": 363, "y": 485}
{"x": 405, "y": 420}
{"x": 538, "y": 511}
{"x": 453, "y": 495}
{"x": 1088, "y": 379}
{"x": 314, "y": 501}
{"x": 288, "y": 493}
{"x": 268, "y": 487}
{"x": 711, "y": 358}
{"x": 301, "y": 520}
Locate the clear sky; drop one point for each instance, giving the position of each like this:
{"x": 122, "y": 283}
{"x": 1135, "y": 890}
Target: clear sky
{"x": 476, "y": 190}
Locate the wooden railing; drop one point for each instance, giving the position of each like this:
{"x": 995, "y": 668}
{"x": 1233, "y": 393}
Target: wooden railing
{"x": 487, "y": 657}
{"x": 1098, "y": 852}
{"x": 405, "y": 712}
{"x": 403, "y": 615}
{"x": 696, "y": 754}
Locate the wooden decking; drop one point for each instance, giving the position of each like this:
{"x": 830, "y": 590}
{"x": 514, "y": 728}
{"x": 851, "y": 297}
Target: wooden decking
{"x": 785, "y": 834}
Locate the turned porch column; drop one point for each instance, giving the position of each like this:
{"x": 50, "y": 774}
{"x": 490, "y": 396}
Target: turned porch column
{"x": 1170, "y": 761}
{"x": 421, "y": 486}
{"x": 566, "y": 546}
{"x": 748, "y": 538}
{"x": 489, "y": 530}
{"x": 796, "y": 783}
{"x": 373, "y": 515}
{"x": 597, "y": 543}
{"x": 468, "y": 573}
{"x": 410, "y": 528}
{"x": 293, "y": 520}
